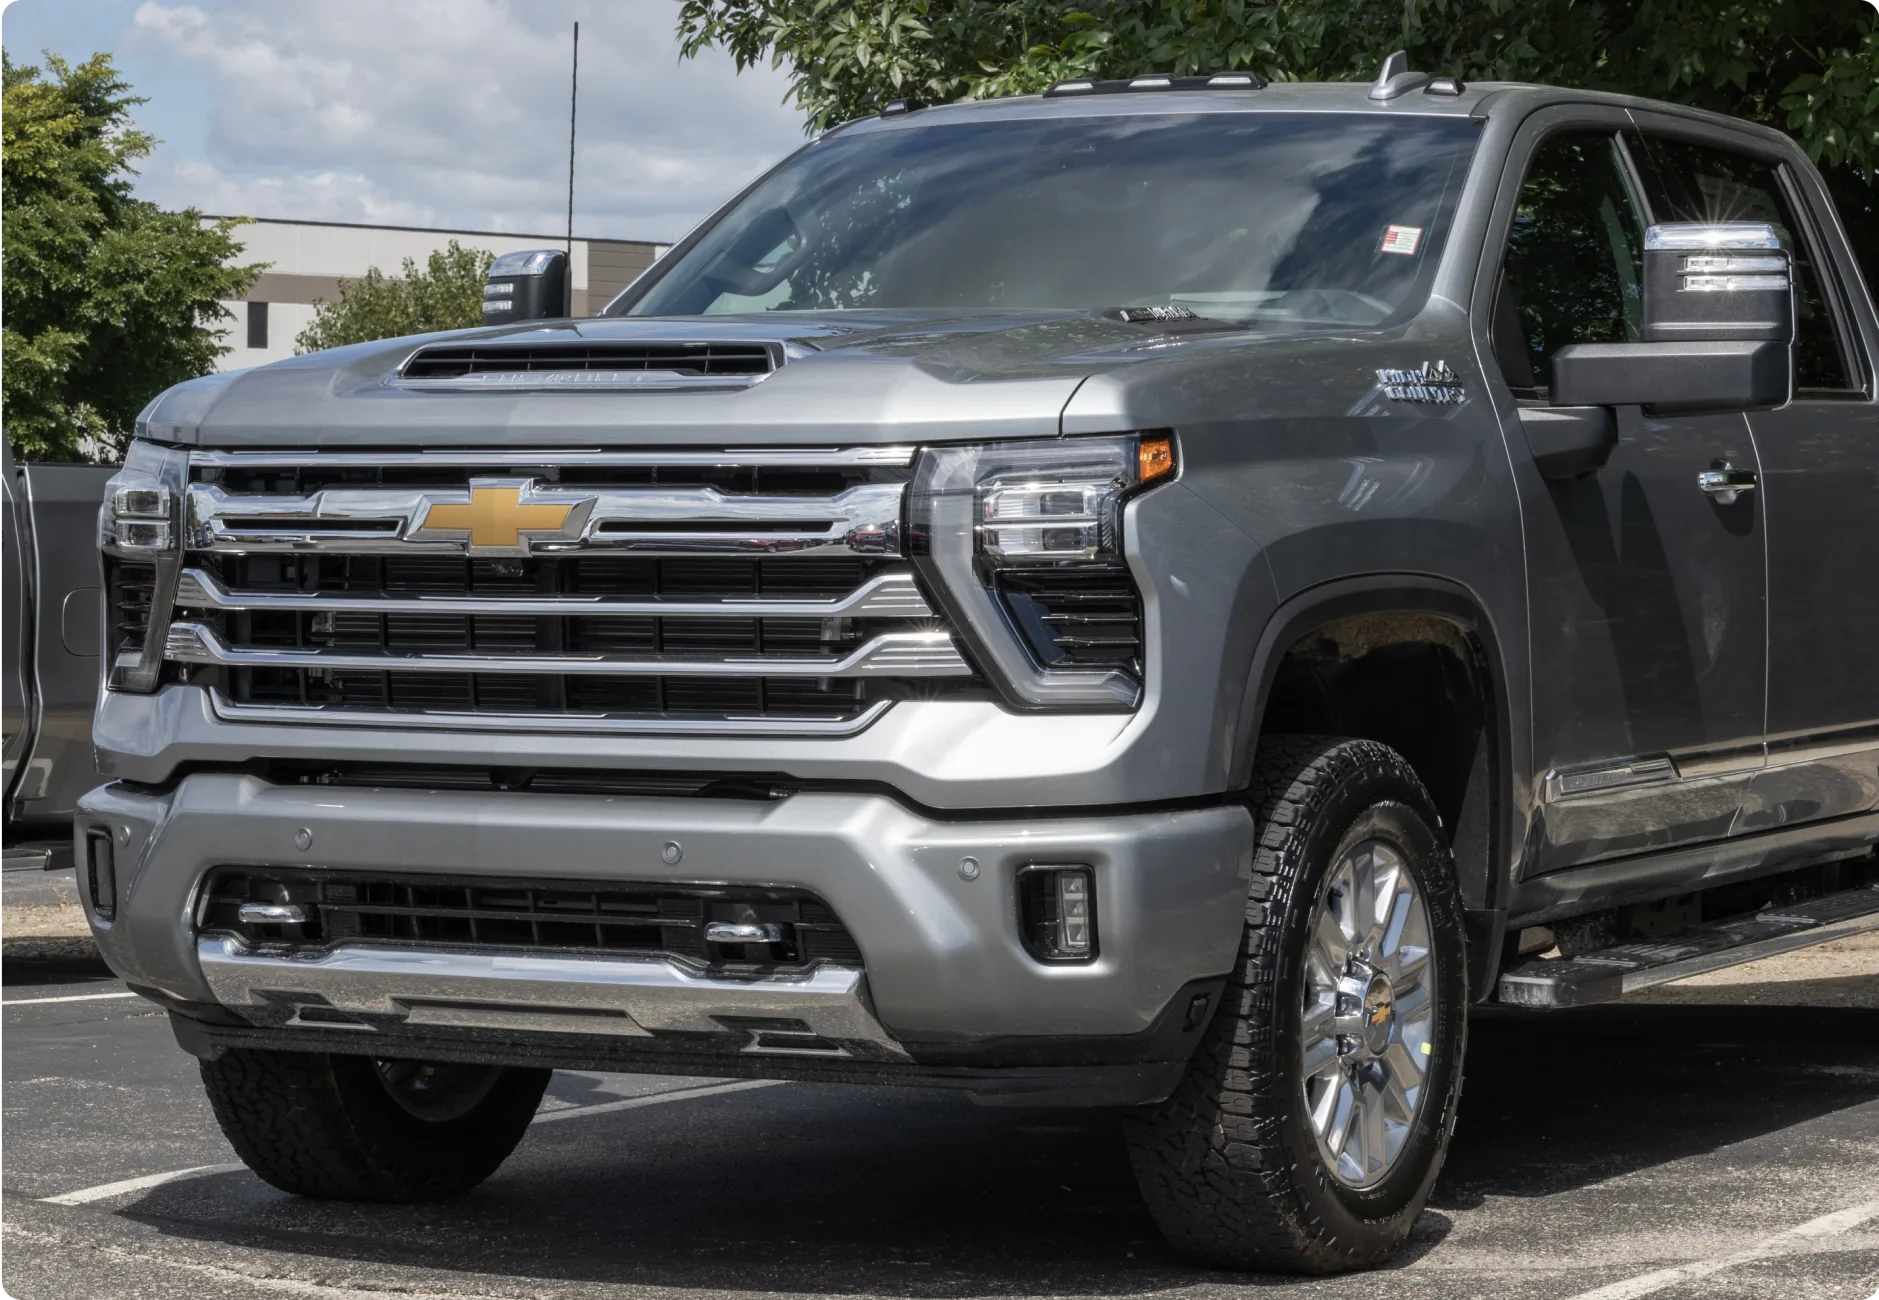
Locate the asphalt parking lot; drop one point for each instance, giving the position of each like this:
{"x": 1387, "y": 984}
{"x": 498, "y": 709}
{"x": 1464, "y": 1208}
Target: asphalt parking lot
{"x": 1705, "y": 1146}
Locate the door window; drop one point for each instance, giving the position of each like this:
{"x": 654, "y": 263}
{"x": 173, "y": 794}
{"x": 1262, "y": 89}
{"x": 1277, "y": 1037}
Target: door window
{"x": 1575, "y": 259}
{"x": 1693, "y": 182}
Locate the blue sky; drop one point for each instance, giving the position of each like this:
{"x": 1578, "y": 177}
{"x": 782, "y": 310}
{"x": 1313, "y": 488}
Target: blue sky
{"x": 426, "y": 112}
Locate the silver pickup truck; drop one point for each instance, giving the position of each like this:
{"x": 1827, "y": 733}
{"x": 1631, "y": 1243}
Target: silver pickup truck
{"x": 1159, "y": 594}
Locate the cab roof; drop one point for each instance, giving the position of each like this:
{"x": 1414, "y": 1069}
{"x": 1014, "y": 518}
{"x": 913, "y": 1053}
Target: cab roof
{"x": 1478, "y": 100}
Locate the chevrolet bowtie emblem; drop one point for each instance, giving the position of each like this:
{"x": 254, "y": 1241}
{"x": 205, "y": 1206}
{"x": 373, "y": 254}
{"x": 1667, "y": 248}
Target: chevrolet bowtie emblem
{"x": 495, "y": 517}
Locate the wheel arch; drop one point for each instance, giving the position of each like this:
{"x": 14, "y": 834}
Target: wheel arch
{"x": 1483, "y": 813}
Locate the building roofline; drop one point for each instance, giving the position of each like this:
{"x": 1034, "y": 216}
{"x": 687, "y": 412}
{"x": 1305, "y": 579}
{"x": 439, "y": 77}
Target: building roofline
{"x": 435, "y": 230}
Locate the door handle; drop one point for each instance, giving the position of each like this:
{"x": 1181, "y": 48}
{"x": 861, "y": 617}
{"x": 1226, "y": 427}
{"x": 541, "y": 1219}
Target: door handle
{"x": 1725, "y": 482}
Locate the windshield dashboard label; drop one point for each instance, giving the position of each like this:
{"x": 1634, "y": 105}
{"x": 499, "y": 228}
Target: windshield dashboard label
{"x": 1435, "y": 383}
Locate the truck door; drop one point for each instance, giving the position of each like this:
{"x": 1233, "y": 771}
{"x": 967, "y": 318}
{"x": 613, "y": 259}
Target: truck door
{"x": 1819, "y": 482}
{"x": 16, "y": 660}
{"x": 1648, "y": 598}
{"x": 61, "y": 504}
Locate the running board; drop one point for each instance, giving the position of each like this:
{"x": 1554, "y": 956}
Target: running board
{"x": 49, "y": 855}
{"x": 1608, "y": 974}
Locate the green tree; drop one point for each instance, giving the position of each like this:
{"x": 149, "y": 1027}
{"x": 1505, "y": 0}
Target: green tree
{"x": 446, "y": 295}
{"x": 108, "y": 300}
{"x": 1810, "y": 67}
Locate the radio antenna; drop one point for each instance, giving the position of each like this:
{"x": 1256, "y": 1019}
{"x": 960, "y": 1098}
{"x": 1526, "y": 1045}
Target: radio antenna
{"x": 574, "y": 99}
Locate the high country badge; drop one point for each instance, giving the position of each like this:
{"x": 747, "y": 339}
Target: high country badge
{"x": 1428, "y": 383}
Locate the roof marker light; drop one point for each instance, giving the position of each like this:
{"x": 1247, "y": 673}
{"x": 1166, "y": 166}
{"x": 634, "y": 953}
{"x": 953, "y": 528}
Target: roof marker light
{"x": 1149, "y": 81}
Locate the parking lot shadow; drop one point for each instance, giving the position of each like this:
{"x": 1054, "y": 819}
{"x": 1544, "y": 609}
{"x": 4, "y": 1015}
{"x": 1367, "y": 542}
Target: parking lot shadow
{"x": 65, "y": 961}
{"x": 810, "y": 1189}
{"x": 1558, "y": 1100}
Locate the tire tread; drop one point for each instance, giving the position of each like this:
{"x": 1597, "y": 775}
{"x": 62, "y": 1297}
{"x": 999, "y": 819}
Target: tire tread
{"x": 308, "y": 1124}
{"x": 1210, "y": 1160}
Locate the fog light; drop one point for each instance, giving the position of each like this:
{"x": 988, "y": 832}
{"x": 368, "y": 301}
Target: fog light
{"x": 101, "y": 874}
{"x": 1057, "y": 912}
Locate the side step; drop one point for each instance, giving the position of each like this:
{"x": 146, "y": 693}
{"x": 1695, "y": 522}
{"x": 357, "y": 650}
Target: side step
{"x": 50, "y": 855}
{"x": 1607, "y": 974}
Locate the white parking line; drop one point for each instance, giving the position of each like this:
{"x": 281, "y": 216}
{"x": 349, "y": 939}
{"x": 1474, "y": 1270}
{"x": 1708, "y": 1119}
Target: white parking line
{"x": 105, "y": 1191}
{"x": 75, "y": 997}
{"x": 656, "y": 1098}
{"x": 1827, "y": 1225}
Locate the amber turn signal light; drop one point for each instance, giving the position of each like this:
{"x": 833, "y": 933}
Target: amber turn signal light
{"x": 1154, "y": 458}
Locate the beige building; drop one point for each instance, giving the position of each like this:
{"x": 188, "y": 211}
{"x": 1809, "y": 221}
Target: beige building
{"x": 308, "y": 259}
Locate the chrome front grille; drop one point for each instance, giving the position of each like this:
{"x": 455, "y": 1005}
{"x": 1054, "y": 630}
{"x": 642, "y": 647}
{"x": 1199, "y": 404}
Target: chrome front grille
{"x": 863, "y": 520}
{"x": 762, "y": 591}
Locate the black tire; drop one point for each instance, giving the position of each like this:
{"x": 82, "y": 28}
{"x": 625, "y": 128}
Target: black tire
{"x": 1229, "y": 1165}
{"x": 350, "y": 1128}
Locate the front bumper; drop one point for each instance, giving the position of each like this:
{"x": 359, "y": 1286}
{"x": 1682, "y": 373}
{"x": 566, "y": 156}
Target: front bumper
{"x": 945, "y": 978}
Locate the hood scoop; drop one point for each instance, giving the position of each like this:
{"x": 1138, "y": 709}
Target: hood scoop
{"x": 599, "y": 365}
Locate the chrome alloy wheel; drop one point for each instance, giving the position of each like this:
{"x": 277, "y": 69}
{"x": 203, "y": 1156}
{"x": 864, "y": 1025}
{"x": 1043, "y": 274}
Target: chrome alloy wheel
{"x": 1367, "y": 1012}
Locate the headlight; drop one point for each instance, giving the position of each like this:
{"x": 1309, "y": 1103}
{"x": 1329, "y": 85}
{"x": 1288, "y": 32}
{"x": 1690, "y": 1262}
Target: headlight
{"x": 1022, "y": 541}
{"x": 138, "y": 528}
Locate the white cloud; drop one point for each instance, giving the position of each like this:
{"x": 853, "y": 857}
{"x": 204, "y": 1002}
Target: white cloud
{"x": 454, "y": 113}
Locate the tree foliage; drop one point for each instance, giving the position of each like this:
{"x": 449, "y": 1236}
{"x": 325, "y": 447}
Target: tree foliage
{"x": 447, "y": 294}
{"x": 107, "y": 299}
{"x": 1810, "y": 67}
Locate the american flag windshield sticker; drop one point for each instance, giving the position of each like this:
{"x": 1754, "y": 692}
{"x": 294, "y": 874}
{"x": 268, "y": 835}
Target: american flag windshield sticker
{"x": 1401, "y": 239}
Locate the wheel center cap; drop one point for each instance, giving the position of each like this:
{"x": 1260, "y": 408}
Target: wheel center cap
{"x": 1379, "y": 1013}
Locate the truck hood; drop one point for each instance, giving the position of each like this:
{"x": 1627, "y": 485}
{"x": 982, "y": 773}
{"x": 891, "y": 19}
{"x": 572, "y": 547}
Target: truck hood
{"x": 848, "y": 378}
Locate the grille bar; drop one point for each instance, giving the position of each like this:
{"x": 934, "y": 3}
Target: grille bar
{"x": 540, "y": 519}
{"x": 734, "y": 458}
{"x": 732, "y": 724}
{"x": 889, "y": 595}
{"x": 897, "y": 654}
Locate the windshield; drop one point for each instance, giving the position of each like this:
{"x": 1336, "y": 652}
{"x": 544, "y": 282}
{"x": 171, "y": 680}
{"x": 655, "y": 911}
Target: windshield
{"x": 1281, "y": 218}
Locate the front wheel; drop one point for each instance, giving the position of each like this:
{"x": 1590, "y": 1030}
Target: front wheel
{"x": 352, "y": 1128}
{"x": 1314, "y": 1116}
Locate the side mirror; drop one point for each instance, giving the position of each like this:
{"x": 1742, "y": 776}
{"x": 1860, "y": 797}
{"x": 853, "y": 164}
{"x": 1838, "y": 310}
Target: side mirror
{"x": 1718, "y": 327}
{"x": 531, "y": 285}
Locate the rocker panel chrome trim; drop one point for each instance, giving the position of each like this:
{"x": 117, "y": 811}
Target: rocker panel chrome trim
{"x": 1585, "y": 782}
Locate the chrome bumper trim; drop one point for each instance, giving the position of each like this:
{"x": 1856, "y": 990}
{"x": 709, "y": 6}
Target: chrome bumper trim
{"x": 896, "y": 654}
{"x": 296, "y": 715}
{"x": 888, "y": 595}
{"x": 822, "y": 1012}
